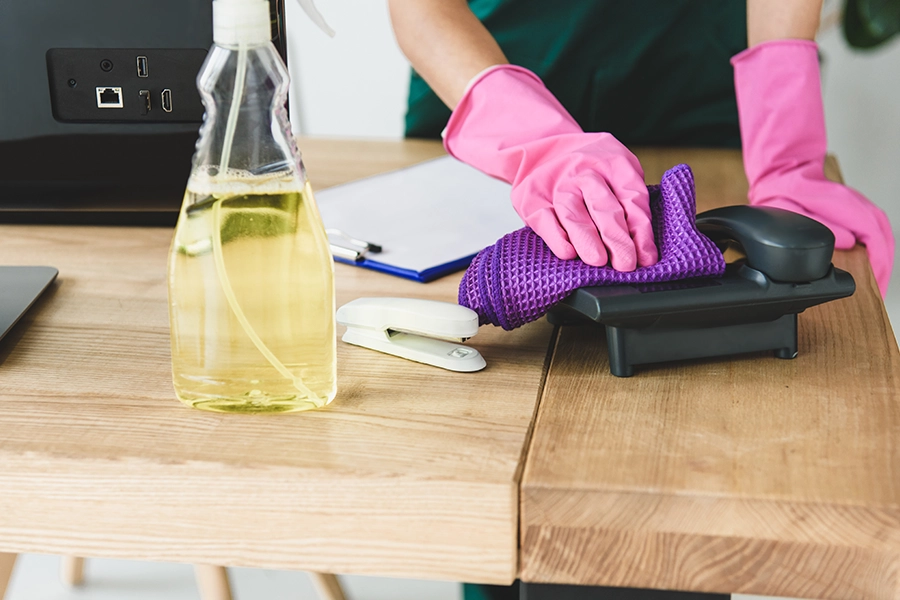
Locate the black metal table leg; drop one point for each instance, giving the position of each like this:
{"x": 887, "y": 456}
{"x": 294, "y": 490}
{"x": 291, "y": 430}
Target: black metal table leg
{"x": 548, "y": 591}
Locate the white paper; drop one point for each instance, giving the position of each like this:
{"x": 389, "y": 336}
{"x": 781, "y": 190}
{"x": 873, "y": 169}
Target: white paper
{"x": 423, "y": 216}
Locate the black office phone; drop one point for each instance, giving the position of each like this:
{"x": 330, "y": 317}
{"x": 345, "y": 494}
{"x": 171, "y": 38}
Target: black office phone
{"x": 752, "y": 307}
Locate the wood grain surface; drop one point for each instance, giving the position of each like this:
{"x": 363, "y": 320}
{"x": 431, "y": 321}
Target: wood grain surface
{"x": 747, "y": 474}
{"x": 412, "y": 471}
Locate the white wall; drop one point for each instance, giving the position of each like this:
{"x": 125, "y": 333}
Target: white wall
{"x": 352, "y": 85}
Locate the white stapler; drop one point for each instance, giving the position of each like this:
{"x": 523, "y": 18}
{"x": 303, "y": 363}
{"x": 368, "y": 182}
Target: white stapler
{"x": 414, "y": 329}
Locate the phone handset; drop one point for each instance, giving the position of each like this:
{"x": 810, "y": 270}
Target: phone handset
{"x": 783, "y": 245}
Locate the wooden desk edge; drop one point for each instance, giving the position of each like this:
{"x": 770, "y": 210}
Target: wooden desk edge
{"x": 320, "y": 524}
{"x": 709, "y": 544}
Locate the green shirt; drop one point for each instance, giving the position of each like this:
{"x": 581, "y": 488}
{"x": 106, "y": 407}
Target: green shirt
{"x": 651, "y": 72}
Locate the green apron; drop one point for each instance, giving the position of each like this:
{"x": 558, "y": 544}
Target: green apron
{"x": 651, "y": 72}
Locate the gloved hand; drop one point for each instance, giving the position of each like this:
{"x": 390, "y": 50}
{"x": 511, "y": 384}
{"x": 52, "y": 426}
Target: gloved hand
{"x": 779, "y": 96}
{"x": 582, "y": 193}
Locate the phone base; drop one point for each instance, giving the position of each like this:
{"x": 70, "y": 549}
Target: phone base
{"x": 630, "y": 347}
{"x": 743, "y": 311}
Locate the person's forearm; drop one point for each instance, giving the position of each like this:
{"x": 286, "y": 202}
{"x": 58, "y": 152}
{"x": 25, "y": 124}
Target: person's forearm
{"x": 445, "y": 43}
{"x": 769, "y": 20}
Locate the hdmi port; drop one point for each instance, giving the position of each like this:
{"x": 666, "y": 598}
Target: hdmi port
{"x": 167, "y": 100}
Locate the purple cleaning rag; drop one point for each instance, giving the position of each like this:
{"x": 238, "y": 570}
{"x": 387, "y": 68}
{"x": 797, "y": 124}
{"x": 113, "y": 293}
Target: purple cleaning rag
{"x": 518, "y": 279}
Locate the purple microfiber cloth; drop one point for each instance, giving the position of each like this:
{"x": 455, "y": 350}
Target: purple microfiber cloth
{"x": 518, "y": 279}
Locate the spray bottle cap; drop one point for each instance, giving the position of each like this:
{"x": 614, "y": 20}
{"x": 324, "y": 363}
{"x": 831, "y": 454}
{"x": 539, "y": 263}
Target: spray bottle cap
{"x": 246, "y": 22}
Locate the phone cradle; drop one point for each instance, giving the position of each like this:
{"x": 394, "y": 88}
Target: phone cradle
{"x": 745, "y": 310}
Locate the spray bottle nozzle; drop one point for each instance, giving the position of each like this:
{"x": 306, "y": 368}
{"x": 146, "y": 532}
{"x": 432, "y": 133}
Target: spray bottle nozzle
{"x": 242, "y": 22}
{"x": 309, "y": 7}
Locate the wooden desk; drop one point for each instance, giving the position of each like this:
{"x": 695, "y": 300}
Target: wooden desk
{"x": 412, "y": 472}
{"x": 755, "y": 475}
{"x": 751, "y": 475}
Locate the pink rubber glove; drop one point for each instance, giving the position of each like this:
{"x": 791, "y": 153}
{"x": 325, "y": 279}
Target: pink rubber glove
{"x": 583, "y": 193}
{"x": 779, "y": 96}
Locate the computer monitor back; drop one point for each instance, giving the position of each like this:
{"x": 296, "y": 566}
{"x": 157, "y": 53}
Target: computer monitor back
{"x": 99, "y": 110}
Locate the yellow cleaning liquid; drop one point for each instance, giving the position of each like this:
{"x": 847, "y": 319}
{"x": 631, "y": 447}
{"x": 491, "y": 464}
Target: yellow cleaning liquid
{"x": 251, "y": 298}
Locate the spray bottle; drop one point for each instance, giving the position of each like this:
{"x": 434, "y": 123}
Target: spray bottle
{"x": 250, "y": 274}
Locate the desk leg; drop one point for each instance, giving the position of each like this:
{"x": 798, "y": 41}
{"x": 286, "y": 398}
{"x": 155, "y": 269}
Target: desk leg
{"x": 328, "y": 586}
{"x": 72, "y": 570}
{"x": 7, "y": 562}
{"x": 547, "y": 591}
{"x": 213, "y": 582}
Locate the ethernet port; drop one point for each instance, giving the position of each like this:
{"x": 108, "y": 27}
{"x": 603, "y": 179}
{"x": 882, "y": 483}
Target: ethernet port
{"x": 109, "y": 97}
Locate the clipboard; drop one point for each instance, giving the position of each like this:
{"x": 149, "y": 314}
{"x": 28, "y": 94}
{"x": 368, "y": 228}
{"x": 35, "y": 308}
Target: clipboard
{"x": 429, "y": 219}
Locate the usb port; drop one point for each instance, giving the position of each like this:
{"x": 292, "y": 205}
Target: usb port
{"x": 109, "y": 97}
{"x": 167, "y": 100}
{"x": 142, "y": 70}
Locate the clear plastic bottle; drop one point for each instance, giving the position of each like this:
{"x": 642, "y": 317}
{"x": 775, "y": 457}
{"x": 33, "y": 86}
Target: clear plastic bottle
{"x": 251, "y": 278}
